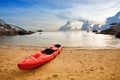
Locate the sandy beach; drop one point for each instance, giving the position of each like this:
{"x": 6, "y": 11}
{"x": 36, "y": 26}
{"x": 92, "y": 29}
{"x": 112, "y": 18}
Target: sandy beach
{"x": 71, "y": 64}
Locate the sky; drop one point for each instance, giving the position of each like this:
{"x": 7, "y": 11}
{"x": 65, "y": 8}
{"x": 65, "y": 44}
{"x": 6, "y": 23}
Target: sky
{"x": 51, "y": 14}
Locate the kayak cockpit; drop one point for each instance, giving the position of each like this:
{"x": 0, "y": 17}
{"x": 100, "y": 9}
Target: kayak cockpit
{"x": 48, "y": 51}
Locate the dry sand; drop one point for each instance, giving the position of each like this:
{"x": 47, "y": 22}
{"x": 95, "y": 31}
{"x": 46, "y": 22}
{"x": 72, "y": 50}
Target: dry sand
{"x": 71, "y": 64}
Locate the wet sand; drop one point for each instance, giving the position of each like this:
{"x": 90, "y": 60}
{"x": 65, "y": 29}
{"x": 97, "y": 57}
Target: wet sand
{"x": 71, "y": 64}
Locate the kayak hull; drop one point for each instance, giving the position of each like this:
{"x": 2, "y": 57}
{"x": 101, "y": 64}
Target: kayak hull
{"x": 39, "y": 58}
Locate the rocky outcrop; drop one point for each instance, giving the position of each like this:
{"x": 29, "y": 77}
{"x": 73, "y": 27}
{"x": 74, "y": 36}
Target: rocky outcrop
{"x": 113, "y": 30}
{"x": 109, "y": 20}
{"x": 112, "y": 26}
{"x": 95, "y": 31}
{"x": 116, "y": 27}
{"x": 117, "y": 35}
{"x": 39, "y": 31}
{"x": 108, "y": 31}
{"x": 9, "y": 30}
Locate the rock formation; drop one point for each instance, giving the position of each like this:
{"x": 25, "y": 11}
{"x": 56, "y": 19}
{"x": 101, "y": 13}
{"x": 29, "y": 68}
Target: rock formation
{"x": 113, "y": 30}
{"x": 109, "y": 20}
{"x": 9, "y": 30}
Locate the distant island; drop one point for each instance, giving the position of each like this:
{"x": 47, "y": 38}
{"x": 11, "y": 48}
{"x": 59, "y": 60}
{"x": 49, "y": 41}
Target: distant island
{"x": 39, "y": 31}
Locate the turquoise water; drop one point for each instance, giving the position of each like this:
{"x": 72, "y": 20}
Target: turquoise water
{"x": 80, "y": 39}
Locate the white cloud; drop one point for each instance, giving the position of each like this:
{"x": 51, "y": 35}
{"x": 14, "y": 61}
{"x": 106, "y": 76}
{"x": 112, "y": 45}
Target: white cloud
{"x": 94, "y": 10}
{"x": 44, "y": 15}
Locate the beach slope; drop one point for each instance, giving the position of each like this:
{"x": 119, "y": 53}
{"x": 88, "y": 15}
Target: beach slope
{"x": 71, "y": 64}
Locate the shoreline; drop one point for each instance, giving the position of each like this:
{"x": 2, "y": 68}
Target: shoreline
{"x": 71, "y": 64}
{"x": 88, "y": 47}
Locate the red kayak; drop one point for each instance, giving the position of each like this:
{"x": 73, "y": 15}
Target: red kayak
{"x": 40, "y": 57}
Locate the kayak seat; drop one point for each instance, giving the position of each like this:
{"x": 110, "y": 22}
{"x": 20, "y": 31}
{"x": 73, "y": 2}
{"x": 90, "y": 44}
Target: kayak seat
{"x": 57, "y": 45}
{"x": 48, "y": 51}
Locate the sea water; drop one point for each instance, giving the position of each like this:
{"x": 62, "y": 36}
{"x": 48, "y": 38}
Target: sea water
{"x": 81, "y": 39}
